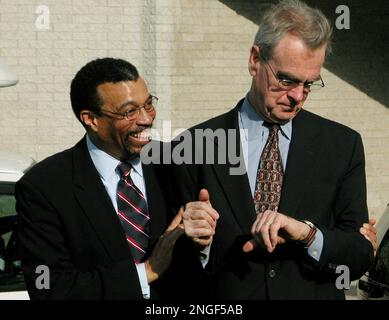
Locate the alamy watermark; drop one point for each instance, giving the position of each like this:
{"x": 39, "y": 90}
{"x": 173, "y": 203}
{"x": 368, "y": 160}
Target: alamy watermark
{"x": 343, "y": 20}
{"x": 42, "y": 21}
{"x": 42, "y": 281}
{"x": 343, "y": 280}
{"x": 198, "y": 146}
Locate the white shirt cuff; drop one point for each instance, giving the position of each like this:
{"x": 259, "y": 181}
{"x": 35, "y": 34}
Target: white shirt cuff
{"x": 316, "y": 247}
{"x": 142, "y": 275}
{"x": 204, "y": 255}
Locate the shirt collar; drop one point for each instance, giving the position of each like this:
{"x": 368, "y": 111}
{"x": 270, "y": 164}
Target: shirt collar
{"x": 137, "y": 165}
{"x": 252, "y": 121}
{"x": 106, "y": 164}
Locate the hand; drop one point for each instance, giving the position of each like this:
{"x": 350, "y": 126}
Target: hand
{"x": 370, "y": 233}
{"x": 200, "y": 219}
{"x": 272, "y": 228}
{"x": 161, "y": 256}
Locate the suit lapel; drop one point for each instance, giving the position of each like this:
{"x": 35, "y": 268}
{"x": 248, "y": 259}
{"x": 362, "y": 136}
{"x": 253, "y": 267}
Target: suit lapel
{"x": 303, "y": 153}
{"x": 96, "y": 204}
{"x": 236, "y": 186}
{"x": 155, "y": 203}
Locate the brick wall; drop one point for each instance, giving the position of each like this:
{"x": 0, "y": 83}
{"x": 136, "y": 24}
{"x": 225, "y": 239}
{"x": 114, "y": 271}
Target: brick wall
{"x": 36, "y": 115}
{"x": 192, "y": 53}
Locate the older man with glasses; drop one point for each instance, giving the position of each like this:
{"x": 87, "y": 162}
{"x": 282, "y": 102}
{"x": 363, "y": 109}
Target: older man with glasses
{"x": 291, "y": 223}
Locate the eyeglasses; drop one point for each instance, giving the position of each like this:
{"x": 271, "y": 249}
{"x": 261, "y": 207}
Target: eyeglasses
{"x": 289, "y": 84}
{"x": 133, "y": 112}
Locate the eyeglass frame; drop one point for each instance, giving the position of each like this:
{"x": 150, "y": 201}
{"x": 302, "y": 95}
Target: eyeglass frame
{"x": 135, "y": 111}
{"x": 294, "y": 84}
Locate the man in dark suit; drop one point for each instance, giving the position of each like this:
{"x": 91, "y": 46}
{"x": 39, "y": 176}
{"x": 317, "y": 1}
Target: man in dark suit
{"x": 288, "y": 225}
{"x": 93, "y": 214}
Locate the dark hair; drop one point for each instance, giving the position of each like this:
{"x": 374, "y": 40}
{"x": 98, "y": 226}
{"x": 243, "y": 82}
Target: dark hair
{"x": 83, "y": 89}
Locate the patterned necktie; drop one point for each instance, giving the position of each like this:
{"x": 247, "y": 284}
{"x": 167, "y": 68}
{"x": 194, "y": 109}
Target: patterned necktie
{"x": 270, "y": 175}
{"x": 133, "y": 213}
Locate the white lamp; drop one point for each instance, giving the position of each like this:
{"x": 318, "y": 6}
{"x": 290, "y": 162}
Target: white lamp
{"x": 8, "y": 78}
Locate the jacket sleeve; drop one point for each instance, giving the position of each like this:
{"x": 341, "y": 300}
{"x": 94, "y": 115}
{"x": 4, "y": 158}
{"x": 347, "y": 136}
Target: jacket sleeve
{"x": 343, "y": 244}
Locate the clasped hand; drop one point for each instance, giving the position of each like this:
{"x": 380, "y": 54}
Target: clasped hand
{"x": 199, "y": 219}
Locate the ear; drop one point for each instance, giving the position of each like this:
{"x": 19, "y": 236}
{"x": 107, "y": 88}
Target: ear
{"x": 254, "y": 60}
{"x": 89, "y": 119}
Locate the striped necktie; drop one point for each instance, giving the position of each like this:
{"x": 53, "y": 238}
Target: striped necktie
{"x": 133, "y": 213}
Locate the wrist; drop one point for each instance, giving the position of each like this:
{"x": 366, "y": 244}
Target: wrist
{"x": 305, "y": 229}
{"x": 309, "y": 234}
{"x": 202, "y": 242}
{"x": 151, "y": 275}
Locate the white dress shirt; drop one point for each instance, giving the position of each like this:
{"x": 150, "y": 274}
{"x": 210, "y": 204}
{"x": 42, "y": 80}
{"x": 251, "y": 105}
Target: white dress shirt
{"x": 106, "y": 167}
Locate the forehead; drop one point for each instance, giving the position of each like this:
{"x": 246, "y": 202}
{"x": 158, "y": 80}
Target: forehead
{"x": 120, "y": 92}
{"x": 294, "y": 56}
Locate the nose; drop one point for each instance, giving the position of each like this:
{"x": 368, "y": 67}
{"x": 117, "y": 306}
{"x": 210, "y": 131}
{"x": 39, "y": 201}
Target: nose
{"x": 297, "y": 94}
{"x": 144, "y": 117}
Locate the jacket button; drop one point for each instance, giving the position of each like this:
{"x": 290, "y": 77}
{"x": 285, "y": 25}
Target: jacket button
{"x": 332, "y": 266}
{"x": 272, "y": 273}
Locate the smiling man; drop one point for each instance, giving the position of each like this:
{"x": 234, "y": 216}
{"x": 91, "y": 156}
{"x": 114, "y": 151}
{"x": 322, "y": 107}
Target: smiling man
{"x": 94, "y": 214}
{"x": 294, "y": 217}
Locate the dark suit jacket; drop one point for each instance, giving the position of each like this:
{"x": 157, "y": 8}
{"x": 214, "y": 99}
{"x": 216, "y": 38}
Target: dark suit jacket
{"x": 324, "y": 182}
{"x": 68, "y": 223}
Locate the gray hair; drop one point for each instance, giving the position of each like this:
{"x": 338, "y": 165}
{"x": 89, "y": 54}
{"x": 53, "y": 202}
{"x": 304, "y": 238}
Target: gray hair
{"x": 296, "y": 17}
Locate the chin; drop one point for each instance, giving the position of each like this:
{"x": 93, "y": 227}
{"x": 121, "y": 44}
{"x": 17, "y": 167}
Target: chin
{"x": 134, "y": 146}
{"x": 135, "y": 150}
{"x": 286, "y": 116}
{"x": 132, "y": 151}
{"x": 281, "y": 118}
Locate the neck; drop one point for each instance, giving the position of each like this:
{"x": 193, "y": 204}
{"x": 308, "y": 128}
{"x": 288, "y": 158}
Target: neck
{"x": 106, "y": 148}
{"x": 259, "y": 107}
{"x": 262, "y": 110}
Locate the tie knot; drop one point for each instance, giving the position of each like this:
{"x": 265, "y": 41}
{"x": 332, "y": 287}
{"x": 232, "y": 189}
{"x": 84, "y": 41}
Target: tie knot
{"x": 124, "y": 169}
{"x": 273, "y": 127}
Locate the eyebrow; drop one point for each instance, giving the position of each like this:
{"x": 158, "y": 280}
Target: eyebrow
{"x": 131, "y": 102}
{"x": 289, "y": 76}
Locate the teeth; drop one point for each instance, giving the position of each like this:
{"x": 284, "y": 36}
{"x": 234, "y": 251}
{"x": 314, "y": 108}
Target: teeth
{"x": 144, "y": 135}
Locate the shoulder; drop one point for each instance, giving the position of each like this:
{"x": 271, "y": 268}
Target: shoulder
{"x": 57, "y": 165}
{"x": 328, "y": 127}
{"x": 227, "y": 120}
{"x": 217, "y": 122}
